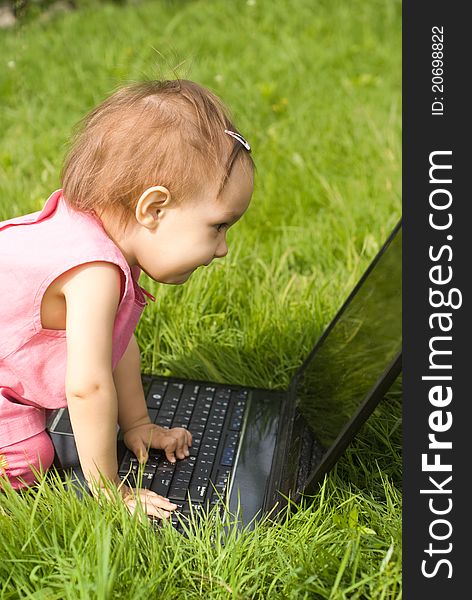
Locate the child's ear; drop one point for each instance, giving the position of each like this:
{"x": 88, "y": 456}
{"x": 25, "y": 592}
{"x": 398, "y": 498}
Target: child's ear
{"x": 150, "y": 204}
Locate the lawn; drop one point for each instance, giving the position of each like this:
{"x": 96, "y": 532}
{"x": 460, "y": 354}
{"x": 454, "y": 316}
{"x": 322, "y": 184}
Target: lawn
{"x": 315, "y": 87}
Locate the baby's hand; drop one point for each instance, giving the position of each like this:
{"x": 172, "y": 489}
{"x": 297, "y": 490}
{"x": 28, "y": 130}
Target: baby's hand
{"x": 175, "y": 442}
{"x": 153, "y": 504}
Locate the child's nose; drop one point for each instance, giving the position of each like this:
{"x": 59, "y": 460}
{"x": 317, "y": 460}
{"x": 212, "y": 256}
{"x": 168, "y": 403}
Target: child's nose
{"x": 222, "y": 250}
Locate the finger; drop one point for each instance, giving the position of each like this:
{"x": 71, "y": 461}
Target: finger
{"x": 158, "y": 499}
{"x": 170, "y": 455}
{"x": 161, "y": 514}
{"x": 169, "y": 449}
{"x": 154, "y": 502}
{"x": 182, "y": 450}
{"x": 179, "y": 453}
{"x": 154, "y": 511}
{"x": 181, "y": 439}
{"x": 149, "y": 509}
{"x": 188, "y": 440}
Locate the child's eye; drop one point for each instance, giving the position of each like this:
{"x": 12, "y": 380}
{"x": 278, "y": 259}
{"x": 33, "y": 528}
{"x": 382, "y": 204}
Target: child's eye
{"x": 221, "y": 226}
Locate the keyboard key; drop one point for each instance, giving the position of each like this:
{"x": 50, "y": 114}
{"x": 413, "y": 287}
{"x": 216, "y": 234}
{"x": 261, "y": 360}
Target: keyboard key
{"x": 167, "y": 413}
{"x": 214, "y": 432}
{"x": 222, "y": 403}
{"x": 197, "y": 434}
{"x": 217, "y": 423}
{"x": 190, "y": 391}
{"x": 156, "y": 394}
{"x": 194, "y": 450}
{"x": 147, "y": 480}
{"x": 161, "y": 485}
{"x": 232, "y": 440}
{"x": 164, "y": 422}
{"x": 173, "y": 388}
{"x": 181, "y": 422}
{"x": 202, "y": 471}
{"x": 163, "y": 478}
{"x": 165, "y": 466}
{"x": 156, "y": 455}
{"x": 196, "y": 429}
{"x": 227, "y": 458}
{"x": 197, "y": 492}
{"x": 132, "y": 478}
{"x": 179, "y": 487}
{"x": 152, "y": 412}
{"x": 178, "y": 491}
{"x": 186, "y": 464}
{"x": 184, "y": 412}
{"x": 198, "y": 423}
{"x": 129, "y": 460}
{"x": 215, "y": 498}
{"x": 175, "y": 521}
{"x": 236, "y": 418}
{"x": 207, "y": 452}
{"x": 222, "y": 476}
{"x": 159, "y": 386}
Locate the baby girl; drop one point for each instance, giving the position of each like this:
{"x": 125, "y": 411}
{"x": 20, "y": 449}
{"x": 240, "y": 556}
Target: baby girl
{"x": 156, "y": 175}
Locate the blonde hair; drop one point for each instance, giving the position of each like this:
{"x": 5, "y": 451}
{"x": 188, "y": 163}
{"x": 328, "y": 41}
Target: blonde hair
{"x": 169, "y": 133}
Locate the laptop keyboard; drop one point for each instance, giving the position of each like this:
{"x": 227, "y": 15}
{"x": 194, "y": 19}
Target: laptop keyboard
{"x": 214, "y": 416}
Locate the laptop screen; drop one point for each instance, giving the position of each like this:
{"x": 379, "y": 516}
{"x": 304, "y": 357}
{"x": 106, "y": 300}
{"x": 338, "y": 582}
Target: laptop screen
{"x": 355, "y": 350}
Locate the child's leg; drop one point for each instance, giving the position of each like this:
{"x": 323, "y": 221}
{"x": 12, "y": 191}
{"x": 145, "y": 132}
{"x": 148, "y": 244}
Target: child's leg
{"x": 15, "y": 460}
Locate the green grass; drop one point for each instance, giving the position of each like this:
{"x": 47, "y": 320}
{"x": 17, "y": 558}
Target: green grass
{"x": 315, "y": 86}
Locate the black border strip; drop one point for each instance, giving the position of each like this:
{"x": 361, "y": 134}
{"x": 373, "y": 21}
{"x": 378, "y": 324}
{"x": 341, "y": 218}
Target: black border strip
{"x": 436, "y": 522}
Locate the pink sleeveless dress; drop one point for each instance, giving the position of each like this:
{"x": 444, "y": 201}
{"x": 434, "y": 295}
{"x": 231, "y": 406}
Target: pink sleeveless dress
{"x": 35, "y": 249}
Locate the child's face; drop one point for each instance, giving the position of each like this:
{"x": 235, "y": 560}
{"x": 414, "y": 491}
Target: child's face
{"x": 172, "y": 241}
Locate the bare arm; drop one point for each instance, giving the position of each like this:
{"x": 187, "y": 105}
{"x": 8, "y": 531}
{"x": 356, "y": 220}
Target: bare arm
{"x": 132, "y": 410}
{"x": 90, "y": 389}
{"x": 93, "y": 417}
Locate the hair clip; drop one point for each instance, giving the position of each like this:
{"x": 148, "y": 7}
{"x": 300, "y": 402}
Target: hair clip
{"x": 239, "y": 137}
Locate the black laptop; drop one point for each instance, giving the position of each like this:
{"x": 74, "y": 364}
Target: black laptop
{"x": 255, "y": 448}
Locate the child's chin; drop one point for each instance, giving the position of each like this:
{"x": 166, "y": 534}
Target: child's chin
{"x": 179, "y": 280}
{"x": 176, "y": 279}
